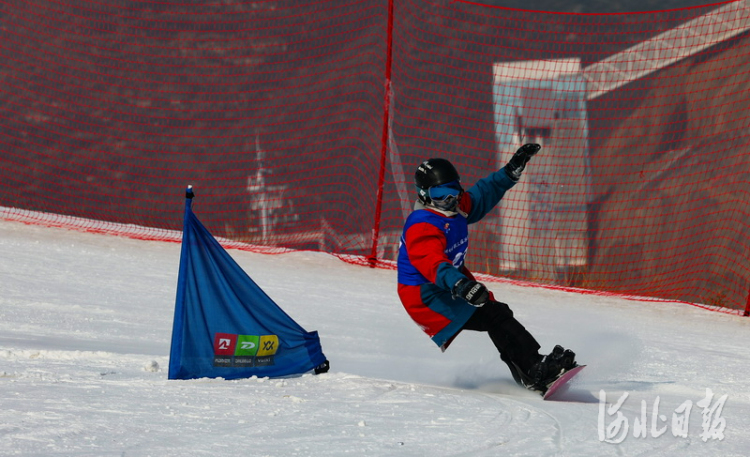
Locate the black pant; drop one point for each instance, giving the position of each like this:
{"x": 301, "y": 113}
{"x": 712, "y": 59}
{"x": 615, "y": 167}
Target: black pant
{"x": 517, "y": 347}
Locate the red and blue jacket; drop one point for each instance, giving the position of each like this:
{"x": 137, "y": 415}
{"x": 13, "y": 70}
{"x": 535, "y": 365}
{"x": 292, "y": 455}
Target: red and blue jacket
{"x": 431, "y": 259}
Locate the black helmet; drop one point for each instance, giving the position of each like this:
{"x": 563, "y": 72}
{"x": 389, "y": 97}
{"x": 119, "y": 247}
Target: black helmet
{"x": 431, "y": 173}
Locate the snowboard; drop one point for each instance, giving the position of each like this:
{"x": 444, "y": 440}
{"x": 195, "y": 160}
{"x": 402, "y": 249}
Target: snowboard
{"x": 559, "y": 384}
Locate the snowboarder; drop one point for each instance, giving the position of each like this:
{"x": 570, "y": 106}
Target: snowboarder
{"x": 440, "y": 293}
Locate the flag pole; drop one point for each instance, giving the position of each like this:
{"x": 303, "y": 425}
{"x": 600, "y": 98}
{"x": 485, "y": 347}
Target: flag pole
{"x": 175, "y": 352}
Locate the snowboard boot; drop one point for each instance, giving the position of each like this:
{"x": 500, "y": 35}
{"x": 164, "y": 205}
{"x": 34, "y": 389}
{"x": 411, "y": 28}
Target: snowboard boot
{"x": 548, "y": 369}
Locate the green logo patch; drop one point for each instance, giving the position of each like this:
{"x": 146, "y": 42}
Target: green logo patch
{"x": 247, "y": 345}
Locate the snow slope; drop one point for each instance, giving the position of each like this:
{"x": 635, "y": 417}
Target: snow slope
{"x": 85, "y": 327}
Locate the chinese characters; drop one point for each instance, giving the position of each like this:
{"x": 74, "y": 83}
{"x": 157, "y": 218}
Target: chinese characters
{"x": 616, "y": 431}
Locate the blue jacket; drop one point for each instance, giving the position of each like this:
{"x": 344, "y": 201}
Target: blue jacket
{"x": 431, "y": 259}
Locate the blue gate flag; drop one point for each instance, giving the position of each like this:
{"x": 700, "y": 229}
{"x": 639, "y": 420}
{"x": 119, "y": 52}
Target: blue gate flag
{"x": 224, "y": 324}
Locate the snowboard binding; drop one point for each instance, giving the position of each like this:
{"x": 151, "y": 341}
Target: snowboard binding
{"x": 548, "y": 369}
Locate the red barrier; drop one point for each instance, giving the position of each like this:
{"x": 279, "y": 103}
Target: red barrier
{"x": 301, "y": 124}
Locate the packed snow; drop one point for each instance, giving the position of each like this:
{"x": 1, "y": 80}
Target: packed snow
{"x": 85, "y": 330}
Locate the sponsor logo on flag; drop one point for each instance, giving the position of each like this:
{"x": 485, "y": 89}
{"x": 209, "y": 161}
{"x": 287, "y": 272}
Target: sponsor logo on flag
{"x": 247, "y": 345}
{"x": 224, "y": 343}
{"x": 231, "y": 350}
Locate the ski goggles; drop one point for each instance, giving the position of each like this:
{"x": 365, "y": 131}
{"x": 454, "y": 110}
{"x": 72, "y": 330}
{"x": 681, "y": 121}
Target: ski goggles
{"x": 451, "y": 189}
{"x": 446, "y": 196}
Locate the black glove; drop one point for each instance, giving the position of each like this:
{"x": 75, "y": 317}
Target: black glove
{"x": 473, "y": 292}
{"x": 518, "y": 162}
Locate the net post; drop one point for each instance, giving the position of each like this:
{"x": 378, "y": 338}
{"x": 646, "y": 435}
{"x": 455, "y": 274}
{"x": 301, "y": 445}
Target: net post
{"x": 372, "y": 259}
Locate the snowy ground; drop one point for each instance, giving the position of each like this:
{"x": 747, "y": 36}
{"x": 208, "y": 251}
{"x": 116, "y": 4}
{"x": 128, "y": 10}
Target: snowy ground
{"x": 85, "y": 327}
